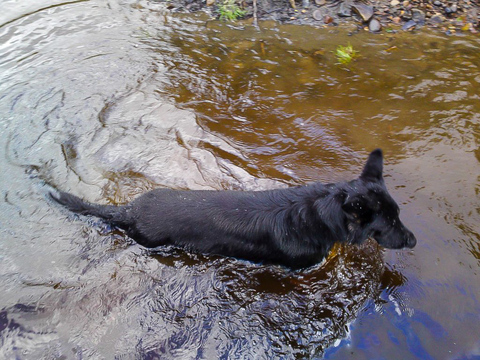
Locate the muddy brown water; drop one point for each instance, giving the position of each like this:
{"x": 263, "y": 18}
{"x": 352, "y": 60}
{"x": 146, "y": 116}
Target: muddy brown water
{"x": 109, "y": 99}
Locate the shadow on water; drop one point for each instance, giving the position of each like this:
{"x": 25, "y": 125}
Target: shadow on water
{"x": 286, "y": 313}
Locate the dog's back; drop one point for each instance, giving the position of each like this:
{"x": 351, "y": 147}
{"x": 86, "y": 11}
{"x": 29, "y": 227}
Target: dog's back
{"x": 276, "y": 226}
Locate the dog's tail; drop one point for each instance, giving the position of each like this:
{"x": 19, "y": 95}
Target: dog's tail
{"x": 116, "y": 215}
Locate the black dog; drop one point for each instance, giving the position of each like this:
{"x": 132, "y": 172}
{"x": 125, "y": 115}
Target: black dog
{"x": 295, "y": 227}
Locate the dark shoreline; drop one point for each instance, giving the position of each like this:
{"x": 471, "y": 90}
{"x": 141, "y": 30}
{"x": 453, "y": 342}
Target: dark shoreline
{"x": 375, "y": 16}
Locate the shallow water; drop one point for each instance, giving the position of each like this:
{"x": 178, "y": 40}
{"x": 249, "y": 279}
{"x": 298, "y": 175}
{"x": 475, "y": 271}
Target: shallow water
{"x": 109, "y": 99}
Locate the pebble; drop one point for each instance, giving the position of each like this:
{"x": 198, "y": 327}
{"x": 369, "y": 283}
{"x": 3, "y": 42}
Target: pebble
{"x": 437, "y": 19}
{"x": 320, "y": 2}
{"x": 374, "y": 25}
{"x": 317, "y": 15}
{"x": 437, "y": 3}
{"x": 394, "y": 2}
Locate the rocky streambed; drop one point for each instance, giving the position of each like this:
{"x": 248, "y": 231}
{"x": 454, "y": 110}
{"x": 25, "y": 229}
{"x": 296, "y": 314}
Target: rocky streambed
{"x": 372, "y": 15}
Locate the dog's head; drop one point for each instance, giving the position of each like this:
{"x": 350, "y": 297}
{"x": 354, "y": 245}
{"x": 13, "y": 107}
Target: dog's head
{"x": 371, "y": 211}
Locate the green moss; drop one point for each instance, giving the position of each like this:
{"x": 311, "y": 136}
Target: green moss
{"x": 230, "y": 11}
{"x": 345, "y": 54}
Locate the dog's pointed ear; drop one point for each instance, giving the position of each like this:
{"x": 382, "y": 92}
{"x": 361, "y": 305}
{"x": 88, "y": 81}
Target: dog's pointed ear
{"x": 373, "y": 170}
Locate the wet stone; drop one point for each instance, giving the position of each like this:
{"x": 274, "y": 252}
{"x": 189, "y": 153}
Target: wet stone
{"x": 344, "y": 10}
{"x": 472, "y": 16}
{"x": 409, "y": 25}
{"x": 365, "y": 11}
{"x": 437, "y": 3}
{"x": 418, "y": 16}
{"x": 320, "y": 2}
{"x": 437, "y": 19}
{"x": 374, "y": 25}
{"x": 407, "y": 15}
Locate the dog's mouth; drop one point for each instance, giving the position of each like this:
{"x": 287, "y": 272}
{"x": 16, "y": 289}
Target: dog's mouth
{"x": 398, "y": 237}
{"x": 405, "y": 244}
{"x": 407, "y": 241}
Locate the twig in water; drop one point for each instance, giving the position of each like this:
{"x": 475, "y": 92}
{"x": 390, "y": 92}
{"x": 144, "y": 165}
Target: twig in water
{"x": 255, "y": 21}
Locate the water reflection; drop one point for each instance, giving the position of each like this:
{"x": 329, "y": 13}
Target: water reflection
{"x": 197, "y": 306}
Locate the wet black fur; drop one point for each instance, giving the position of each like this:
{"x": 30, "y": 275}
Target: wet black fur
{"x": 295, "y": 227}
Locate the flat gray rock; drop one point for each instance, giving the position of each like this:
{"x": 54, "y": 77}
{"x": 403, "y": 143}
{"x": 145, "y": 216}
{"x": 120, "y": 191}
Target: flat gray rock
{"x": 365, "y": 11}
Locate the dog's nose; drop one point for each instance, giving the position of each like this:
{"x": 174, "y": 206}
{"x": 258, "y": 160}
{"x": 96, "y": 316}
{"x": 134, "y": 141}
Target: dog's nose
{"x": 411, "y": 240}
